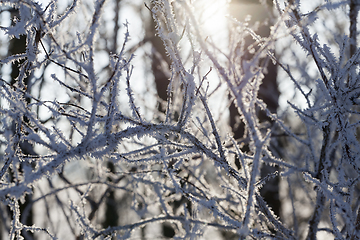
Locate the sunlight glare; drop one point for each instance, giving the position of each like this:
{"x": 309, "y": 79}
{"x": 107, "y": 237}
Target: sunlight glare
{"x": 212, "y": 18}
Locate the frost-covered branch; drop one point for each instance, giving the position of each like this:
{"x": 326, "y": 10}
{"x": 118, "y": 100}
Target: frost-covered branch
{"x": 83, "y": 144}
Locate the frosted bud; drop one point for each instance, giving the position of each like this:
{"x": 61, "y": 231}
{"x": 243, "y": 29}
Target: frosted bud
{"x": 197, "y": 54}
{"x": 113, "y": 61}
{"x": 175, "y": 38}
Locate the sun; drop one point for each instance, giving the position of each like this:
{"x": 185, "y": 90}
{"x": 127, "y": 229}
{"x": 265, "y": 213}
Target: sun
{"x": 212, "y": 17}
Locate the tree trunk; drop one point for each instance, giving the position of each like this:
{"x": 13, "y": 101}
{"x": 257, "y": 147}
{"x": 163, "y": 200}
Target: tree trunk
{"x": 17, "y": 46}
{"x": 268, "y": 92}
